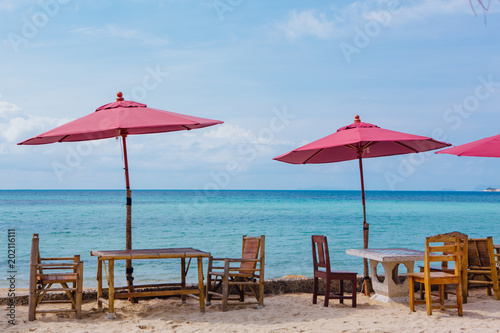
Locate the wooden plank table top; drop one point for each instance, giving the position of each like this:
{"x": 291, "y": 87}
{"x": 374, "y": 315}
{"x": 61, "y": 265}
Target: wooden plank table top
{"x": 186, "y": 252}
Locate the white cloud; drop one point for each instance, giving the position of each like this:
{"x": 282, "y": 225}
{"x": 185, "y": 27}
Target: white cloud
{"x": 308, "y": 23}
{"x": 7, "y": 5}
{"x": 340, "y": 21}
{"x": 228, "y": 131}
{"x": 235, "y": 135}
{"x": 111, "y": 30}
{"x": 16, "y": 125}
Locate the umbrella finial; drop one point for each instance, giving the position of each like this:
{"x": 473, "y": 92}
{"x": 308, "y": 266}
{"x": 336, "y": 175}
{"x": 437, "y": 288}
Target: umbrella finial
{"x": 119, "y": 97}
{"x": 356, "y": 119}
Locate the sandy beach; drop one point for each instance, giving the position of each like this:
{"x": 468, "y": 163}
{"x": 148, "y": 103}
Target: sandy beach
{"x": 282, "y": 313}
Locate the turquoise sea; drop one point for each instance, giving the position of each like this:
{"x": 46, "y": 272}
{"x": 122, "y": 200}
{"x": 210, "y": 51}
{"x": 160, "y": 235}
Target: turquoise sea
{"x": 78, "y": 221}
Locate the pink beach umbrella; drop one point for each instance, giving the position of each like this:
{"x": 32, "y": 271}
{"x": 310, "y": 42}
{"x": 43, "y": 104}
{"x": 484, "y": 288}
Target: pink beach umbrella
{"x": 121, "y": 118}
{"x": 487, "y": 147}
{"x": 358, "y": 141}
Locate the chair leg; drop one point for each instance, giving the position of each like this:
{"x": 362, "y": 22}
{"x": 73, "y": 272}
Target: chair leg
{"x": 79, "y": 291}
{"x": 261, "y": 294}
{"x": 428, "y": 300}
{"x": 32, "y": 301}
{"x": 441, "y": 294}
{"x": 412, "y": 293}
{"x": 495, "y": 287}
{"x": 354, "y": 291}
{"x": 225, "y": 285}
{"x": 422, "y": 291}
{"x": 315, "y": 290}
{"x": 208, "y": 296}
{"x": 225, "y": 292}
{"x": 341, "y": 291}
{"x": 459, "y": 299}
{"x": 241, "y": 291}
{"x": 465, "y": 290}
{"x": 496, "y": 291}
{"x": 327, "y": 291}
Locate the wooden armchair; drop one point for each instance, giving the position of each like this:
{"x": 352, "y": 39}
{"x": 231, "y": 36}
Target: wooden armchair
{"x": 322, "y": 270}
{"x": 437, "y": 249}
{"x": 45, "y": 272}
{"x": 483, "y": 265}
{"x": 244, "y": 275}
{"x": 443, "y": 267}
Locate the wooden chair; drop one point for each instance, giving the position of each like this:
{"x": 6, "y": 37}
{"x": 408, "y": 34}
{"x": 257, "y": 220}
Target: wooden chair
{"x": 439, "y": 248}
{"x": 322, "y": 270}
{"x": 45, "y": 272}
{"x": 443, "y": 267}
{"x": 243, "y": 275}
{"x": 483, "y": 269}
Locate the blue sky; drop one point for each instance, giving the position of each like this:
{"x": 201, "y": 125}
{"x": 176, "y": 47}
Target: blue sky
{"x": 279, "y": 74}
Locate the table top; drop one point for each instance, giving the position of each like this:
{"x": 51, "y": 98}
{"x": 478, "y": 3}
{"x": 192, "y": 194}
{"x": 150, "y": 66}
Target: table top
{"x": 388, "y": 255}
{"x": 184, "y": 252}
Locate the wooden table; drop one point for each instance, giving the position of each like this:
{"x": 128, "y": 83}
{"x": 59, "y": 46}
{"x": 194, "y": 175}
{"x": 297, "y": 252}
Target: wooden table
{"x": 172, "y": 253}
{"x": 391, "y": 287}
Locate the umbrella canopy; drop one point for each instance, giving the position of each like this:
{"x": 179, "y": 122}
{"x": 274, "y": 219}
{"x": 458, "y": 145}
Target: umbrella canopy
{"x": 487, "y": 147}
{"x": 359, "y": 138}
{"x": 357, "y": 141}
{"x": 121, "y": 118}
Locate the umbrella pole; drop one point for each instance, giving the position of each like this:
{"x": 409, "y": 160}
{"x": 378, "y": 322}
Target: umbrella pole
{"x": 365, "y": 228}
{"x": 128, "y": 229}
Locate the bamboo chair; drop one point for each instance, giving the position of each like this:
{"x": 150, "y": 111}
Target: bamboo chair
{"x": 45, "y": 272}
{"x": 483, "y": 265}
{"x": 438, "y": 248}
{"x": 244, "y": 275}
{"x": 463, "y": 239}
{"x": 322, "y": 270}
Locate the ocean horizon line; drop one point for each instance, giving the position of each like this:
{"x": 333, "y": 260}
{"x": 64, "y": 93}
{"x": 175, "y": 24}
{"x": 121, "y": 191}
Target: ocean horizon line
{"x": 234, "y": 190}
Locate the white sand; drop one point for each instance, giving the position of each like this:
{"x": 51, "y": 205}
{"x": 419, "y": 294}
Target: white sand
{"x": 284, "y": 313}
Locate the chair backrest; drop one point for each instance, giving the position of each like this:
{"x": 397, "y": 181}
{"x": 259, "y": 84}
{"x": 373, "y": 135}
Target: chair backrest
{"x": 321, "y": 256}
{"x": 463, "y": 240}
{"x": 442, "y": 248}
{"x": 252, "y": 247}
{"x": 481, "y": 253}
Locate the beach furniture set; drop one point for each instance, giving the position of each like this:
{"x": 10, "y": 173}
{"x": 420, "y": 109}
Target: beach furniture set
{"x": 475, "y": 262}
{"x": 231, "y": 282}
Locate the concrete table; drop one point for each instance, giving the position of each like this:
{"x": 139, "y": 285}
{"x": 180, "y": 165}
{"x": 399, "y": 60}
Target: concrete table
{"x": 391, "y": 287}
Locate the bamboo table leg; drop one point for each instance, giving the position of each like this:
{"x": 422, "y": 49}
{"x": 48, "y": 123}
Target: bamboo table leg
{"x": 111, "y": 284}
{"x": 183, "y": 278}
{"x": 200, "y": 284}
{"x": 99, "y": 283}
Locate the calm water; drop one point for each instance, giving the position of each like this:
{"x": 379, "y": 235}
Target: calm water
{"x": 76, "y": 222}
